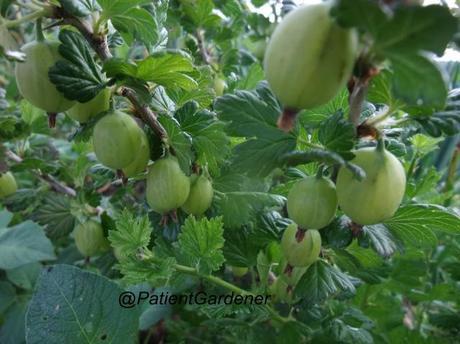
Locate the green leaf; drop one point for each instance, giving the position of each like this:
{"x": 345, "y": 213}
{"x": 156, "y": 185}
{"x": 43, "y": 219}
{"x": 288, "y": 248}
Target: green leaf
{"x": 23, "y": 244}
{"x": 78, "y": 77}
{"x": 55, "y": 215}
{"x": 410, "y": 29}
{"x": 313, "y": 117}
{"x": 201, "y": 12}
{"x": 137, "y": 23}
{"x": 379, "y": 238}
{"x": 411, "y": 75}
{"x": 71, "y": 305}
{"x": 337, "y": 134}
{"x": 413, "y": 222}
{"x": 179, "y": 140}
{"x": 131, "y": 233}
{"x": 239, "y": 249}
{"x": 209, "y": 139}
{"x": 239, "y": 207}
{"x": 24, "y": 276}
{"x": 168, "y": 69}
{"x": 80, "y": 8}
{"x": 201, "y": 242}
{"x": 322, "y": 281}
{"x": 13, "y": 328}
{"x": 423, "y": 144}
{"x": 295, "y": 158}
{"x": 7, "y": 295}
{"x": 253, "y": 114}
{"x": 445, "y": 122}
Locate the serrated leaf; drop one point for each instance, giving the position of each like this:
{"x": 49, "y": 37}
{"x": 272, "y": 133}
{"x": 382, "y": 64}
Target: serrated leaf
{"x": 179, "y": 140}
{"x": 380, "y": 239}
{"x": 78, "y": 77}
{"x": 322, "y": 281}
{"x": 131, "y": 233}
{"x": 239, "y": 207}
{"x": 56, "y": 216}
{"x": 208, "y": 136}
{"x": 71, "y": 305}
{"x": 23, "y": 244}
{"x": 201, "y": 242}
{"x": 337, "y": 134}
{"x": 420, "y": 220}
{"x": 254, "y": 114}
{"x": 169, "y": 69}
{"x": 446, "y": 121}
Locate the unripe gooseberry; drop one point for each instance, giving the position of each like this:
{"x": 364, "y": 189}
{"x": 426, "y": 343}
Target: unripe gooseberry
{"x": 301, "y": 248}
{"x": 200, "y": 196}
{"x": 312, "y": 202}
{"x": 89, "y": 238}
{"x": 309, "y": 57}
{"x": 116, "y": 140}
{"x": 33, "y": 80}
{"x": 8, "y": 184}
{"x": 82, "y": 112}
{"x": 167, "y": 185}
{"x": 377, "y": 197}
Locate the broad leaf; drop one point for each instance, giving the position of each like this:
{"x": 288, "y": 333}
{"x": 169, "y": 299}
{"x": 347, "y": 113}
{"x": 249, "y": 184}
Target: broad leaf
{"x": 23, "y": 244}
{"x": 71, "y": 305}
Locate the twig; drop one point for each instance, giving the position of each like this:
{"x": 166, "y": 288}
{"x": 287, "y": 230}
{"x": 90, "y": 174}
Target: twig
{"x": 202, "y": 48}
{"x": 146, "y": 114}
{"x": 53, "y": 182}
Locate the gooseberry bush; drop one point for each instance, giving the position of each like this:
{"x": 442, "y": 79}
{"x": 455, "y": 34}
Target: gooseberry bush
{"x": 307, "y": 153}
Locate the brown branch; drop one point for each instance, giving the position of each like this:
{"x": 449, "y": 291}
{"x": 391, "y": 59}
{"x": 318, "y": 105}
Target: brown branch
{"x": 202, "y": 48}
{"x": 53, "y": 182}
{"x": 358, "y": 86}
{"x": 145, "y": 112}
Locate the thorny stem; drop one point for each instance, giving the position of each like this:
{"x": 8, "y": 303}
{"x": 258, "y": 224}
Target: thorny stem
{"x": 53, "y": 182}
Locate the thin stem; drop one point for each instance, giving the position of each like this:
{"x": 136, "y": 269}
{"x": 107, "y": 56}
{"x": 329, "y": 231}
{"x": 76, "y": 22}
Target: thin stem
{"x": 357, "y": 97}
{"x": 451, "y": 173}
{"x": 27, "y": 18}
{"x": 412, "y": 166}
{"x": 224, "y": 284}
{"x": 40, "y": 35}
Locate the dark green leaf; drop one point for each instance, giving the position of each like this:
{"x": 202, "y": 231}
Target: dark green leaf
{"x": 78, "y": 77}
{"x": 337, "y": 134}
{"x": 55, "y": 214}
{"x": 322, "y": 281}
{"x": 72, "y": 305}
